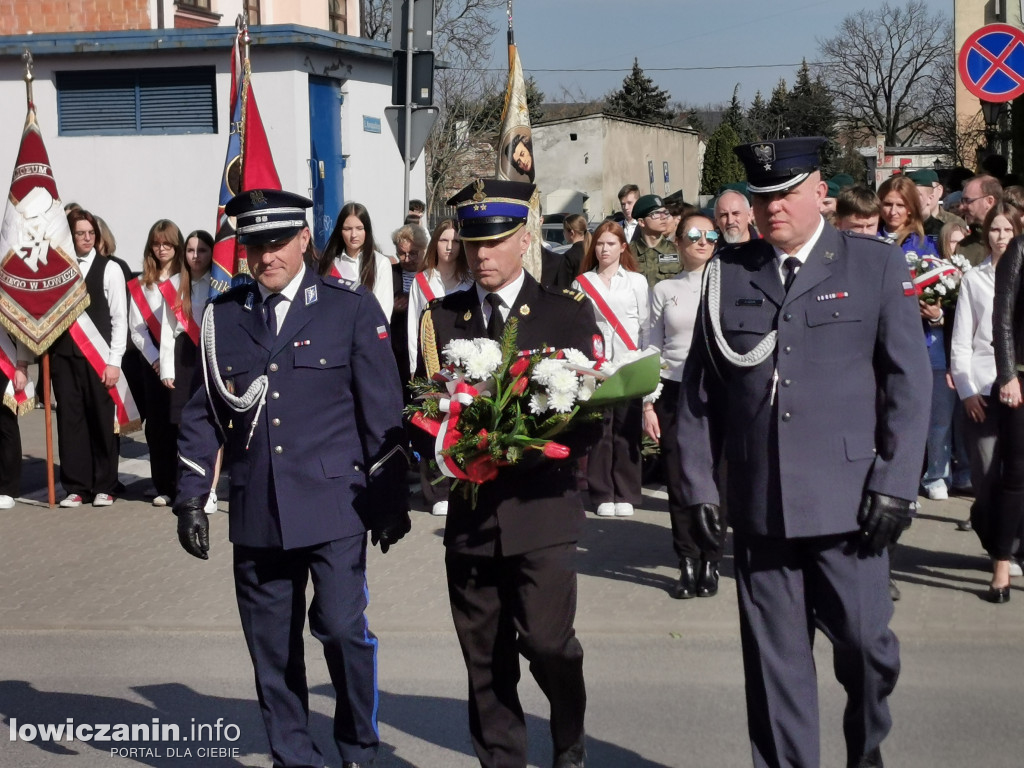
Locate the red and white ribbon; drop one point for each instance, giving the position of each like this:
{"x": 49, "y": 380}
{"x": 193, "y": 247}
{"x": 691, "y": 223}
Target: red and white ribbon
{"x": 188, "y": 323}
{"x": 8, "y": 364}
{"x": 88, "y": 339}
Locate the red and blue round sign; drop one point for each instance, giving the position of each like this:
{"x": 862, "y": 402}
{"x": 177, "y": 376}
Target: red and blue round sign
{"x": 991, "y": 63}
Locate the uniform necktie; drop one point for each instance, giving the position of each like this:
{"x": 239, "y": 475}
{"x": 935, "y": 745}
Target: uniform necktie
{"x": 270, "y": 312}
{"x": 792, "y": 265}
{"x": 496, "y": 325}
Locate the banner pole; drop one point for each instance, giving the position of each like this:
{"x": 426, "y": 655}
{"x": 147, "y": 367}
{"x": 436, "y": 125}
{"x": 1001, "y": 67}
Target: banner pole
{"x": 51, "y": 492}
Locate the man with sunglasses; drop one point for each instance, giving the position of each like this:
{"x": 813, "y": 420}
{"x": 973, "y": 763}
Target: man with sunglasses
{"x": 654, "y": 252}
{"x": 808, "y": 374}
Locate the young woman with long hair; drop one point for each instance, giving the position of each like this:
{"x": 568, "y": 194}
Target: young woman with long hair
{"x": 352, "y": 254}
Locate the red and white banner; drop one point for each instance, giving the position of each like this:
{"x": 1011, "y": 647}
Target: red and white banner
{"x": 19, "y": 402}
{"x": 41, "y": 288}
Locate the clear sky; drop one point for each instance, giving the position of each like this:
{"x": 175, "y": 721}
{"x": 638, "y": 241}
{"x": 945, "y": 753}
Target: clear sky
{"x": 559, "y": 38}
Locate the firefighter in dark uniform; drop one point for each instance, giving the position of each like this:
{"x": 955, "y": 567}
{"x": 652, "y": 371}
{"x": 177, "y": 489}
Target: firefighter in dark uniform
{"x": 510, "y": 560}
{"x": 808, "y": 370}
{"x": 300, "y": 386}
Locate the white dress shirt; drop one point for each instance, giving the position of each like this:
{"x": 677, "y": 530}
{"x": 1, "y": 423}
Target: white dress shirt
{"x": 802, "y": 253}
{"x": 287, "y": 294}
{"x": 116, "y": 294}
{"x": 418, "y": 302}
{"x": 383, "y": 284}
{"x": 508, "y": 296}
{"x": 972, "y": 357}
{"x": 629, "y": 299}
{"x": 171, "y": 327}
{"x": 137, "y": 327}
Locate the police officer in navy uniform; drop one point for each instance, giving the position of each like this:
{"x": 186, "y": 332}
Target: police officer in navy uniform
{"x": 510, "y": 559}
{"x": 300, "y": 386}
{"x": 809, "y": 373}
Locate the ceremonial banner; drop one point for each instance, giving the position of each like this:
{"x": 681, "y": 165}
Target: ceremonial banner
{"x": 41, "y": 288}
{"x": 515, "y": 146}
{"x": 19, "y": 402}
{"x": 248, "y": 165}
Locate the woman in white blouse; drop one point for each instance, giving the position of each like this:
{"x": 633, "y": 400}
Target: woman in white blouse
{"x": 445, "y": 270}
{"x": 610, "y": 278}
{"x": 182, "y": 321}
{"x": 163, "y": 257}
{"x": 973, "y": 367}
{"x": 352, "y": 254}
{"x": 674, "y": 305}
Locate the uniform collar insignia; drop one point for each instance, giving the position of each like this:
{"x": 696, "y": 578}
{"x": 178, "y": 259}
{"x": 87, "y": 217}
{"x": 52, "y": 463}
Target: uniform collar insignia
{"x": 250, "y": 300}
{"x": 311, "y": 295}
{"x": 829, "y": 256}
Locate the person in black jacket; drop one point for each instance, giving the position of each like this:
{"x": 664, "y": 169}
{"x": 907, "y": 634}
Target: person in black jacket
{"x": 510, "y": 557}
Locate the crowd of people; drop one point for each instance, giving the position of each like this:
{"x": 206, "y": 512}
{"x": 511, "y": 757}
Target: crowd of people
{"x": 648, "y": 278}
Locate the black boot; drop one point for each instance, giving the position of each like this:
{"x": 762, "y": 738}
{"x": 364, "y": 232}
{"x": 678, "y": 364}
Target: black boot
{"x": 686, "y": 587}
{"x": 707, "y": 582}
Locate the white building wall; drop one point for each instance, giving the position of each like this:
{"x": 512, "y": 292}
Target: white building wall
{"x": 131, "y": 181}
{"x": 564, "y": 163}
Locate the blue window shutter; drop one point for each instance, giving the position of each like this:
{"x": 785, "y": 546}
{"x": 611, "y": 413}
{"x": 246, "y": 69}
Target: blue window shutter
{"x": 173, "y": 100}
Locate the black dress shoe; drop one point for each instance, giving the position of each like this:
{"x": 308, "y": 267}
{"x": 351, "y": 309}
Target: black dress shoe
{"x": 707, "y": 582}
{"x": 998, "y": 595}
{"x": 872, "y": 759}
{"x": 686, "y": 587}
{"x": 573, "y": 756}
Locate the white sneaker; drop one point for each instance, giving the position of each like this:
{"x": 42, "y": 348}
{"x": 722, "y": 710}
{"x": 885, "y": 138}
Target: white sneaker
{"x": 606, "y": 510}
{"x": 161, "y": 501}
{"x": 6, "y": 502}
{"x": 937, "y": 493}
{"x": 102, "y": 500}
{"x": 71, "y": 500}
{"x": 1015, "y": 569}
{"x": 440, "y": 508}
{"x": 211, "y": 503}
{"x": 623, "y": 509}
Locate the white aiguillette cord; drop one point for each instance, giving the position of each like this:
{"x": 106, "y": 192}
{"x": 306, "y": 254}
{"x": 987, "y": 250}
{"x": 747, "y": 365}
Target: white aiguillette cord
{"x": 258, "y": 388}
{"x": 712, "y": 289}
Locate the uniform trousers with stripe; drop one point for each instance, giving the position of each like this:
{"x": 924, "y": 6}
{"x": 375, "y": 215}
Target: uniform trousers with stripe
{"x": 504, "y": 606}
{"x": 270, "y": 587}
{"x": 86, "y": 443}
{"x": 787, "y": 589}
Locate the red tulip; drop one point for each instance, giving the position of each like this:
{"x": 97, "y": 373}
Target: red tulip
{"x": 555, "y": 451}
{"x": 482, "y": 440}
{"x": 519, "y": 367}
{"x": 481, "y": 468}
{"x": 520, "y": 386}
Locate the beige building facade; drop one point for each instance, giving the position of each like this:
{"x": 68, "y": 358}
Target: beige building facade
{"x": 597, "y": 154}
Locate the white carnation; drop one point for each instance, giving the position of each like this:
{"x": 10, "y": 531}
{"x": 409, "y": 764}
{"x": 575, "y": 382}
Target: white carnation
{"x": 562, "y": 380}
{"x": 538, "y": 402}
{"x": 458, "y": 351}
{"x": 940, "y": 289}
{"x": 576, "y": 357}
{"x": 546, "y": 368}
{"x": 484, "y": 360}
{"x": 561, "y": 401}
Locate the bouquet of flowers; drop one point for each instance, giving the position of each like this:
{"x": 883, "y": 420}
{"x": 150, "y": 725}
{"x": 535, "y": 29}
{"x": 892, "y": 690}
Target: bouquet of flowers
{"x": 492, "y": 405}
{"x": 937, "y": 281}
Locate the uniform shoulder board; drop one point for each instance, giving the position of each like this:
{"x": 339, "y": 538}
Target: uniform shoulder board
{"x": 342, "y": 283}
{"x": 574, "y": 295}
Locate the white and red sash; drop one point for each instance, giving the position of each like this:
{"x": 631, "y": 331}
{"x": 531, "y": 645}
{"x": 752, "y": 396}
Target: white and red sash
{"x": 602, "y": 306}
{"x": 139, "y": 297}
{"x": 424, "y": 284}
{"x": 19, "y": 402}
{"x": 334, "y": 271}
{"x": 170, "y": 295}
{"x": 91, "y": 344}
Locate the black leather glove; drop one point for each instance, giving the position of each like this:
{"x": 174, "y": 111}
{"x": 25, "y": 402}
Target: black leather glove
{"x": 709, "y": 524}
{"x": 193, "y": 527}
{"x": 882, "y": 519}
{"x": 391, "y": 532}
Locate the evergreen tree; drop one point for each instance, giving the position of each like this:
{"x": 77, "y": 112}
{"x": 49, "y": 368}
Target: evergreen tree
{"x": 758, "y": 118}
{"x": 734, "y": 116}
{"x": 639, "y": 98}
{"x": 776, "y": 126}
{"x": 810, "y": 111}
{"x": 721, "y": 166}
